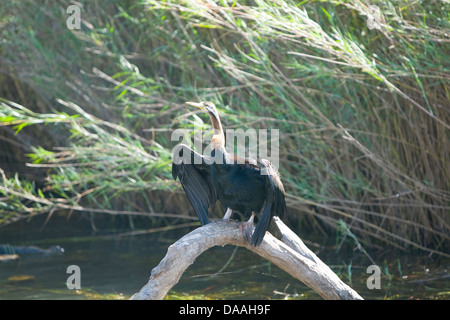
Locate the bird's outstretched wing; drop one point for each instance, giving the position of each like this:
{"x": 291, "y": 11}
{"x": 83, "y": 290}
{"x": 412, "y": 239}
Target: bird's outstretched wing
{"x": 193, "y": 172}
{"x": 275, "y": 204}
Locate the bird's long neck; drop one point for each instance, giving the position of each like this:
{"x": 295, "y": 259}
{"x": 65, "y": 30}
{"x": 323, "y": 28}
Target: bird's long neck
{"x": 218, "y": 139}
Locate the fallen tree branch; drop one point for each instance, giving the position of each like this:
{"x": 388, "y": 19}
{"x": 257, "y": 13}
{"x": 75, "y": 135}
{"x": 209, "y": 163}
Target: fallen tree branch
{"x": 289, "y": 254}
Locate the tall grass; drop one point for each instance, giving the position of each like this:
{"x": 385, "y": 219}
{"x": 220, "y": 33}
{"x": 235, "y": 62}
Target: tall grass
{"x": 363, "y": 113}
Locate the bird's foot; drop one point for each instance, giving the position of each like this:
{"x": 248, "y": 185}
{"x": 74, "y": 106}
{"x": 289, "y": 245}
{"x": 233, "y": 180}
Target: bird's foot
{"x": 227, "y": 215}
{"x": 247, "y": 228}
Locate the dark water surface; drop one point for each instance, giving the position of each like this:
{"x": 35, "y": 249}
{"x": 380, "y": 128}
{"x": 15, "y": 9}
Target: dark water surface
{"x": 113, "y": 267}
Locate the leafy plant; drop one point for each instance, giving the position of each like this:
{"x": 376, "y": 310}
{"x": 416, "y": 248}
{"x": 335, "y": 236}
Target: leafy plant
{"x": 362, "y": 111}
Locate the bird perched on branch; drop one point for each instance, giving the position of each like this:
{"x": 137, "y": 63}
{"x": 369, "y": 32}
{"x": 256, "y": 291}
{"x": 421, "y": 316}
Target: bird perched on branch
{"x": 244, "y": 185}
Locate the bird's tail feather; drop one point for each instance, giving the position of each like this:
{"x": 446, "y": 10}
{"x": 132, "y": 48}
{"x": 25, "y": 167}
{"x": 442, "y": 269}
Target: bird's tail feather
{"x": 269, "y": 207}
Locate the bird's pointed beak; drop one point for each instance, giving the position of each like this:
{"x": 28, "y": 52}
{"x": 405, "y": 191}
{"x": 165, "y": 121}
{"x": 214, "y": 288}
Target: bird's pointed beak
{"x": 196, "y": 104}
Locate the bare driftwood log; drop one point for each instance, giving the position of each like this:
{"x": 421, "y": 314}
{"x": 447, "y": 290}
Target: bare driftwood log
{"x": 289, "y": 254}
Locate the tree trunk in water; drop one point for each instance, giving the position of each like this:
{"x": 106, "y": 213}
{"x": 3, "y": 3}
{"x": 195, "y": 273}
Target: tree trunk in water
{"x": 289, "y": 254}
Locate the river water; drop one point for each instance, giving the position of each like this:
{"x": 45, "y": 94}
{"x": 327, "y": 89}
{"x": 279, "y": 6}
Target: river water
{"x": 113, "y": 267}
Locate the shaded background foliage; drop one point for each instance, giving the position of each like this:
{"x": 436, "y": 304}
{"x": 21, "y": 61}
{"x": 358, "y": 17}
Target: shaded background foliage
{"x": 87, "y": 115}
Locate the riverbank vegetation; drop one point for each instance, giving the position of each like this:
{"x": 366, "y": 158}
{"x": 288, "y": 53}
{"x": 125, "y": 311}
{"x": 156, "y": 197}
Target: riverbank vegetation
{"x": 359, "y": 91}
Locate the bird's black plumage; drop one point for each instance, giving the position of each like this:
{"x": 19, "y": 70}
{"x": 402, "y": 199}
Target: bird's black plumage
{"x": 194, "y": 174}
{"x": 244, "y": 185}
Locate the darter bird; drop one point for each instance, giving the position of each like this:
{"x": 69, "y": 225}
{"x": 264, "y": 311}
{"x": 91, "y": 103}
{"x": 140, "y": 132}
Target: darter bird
{"x": 244, "y": 185}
